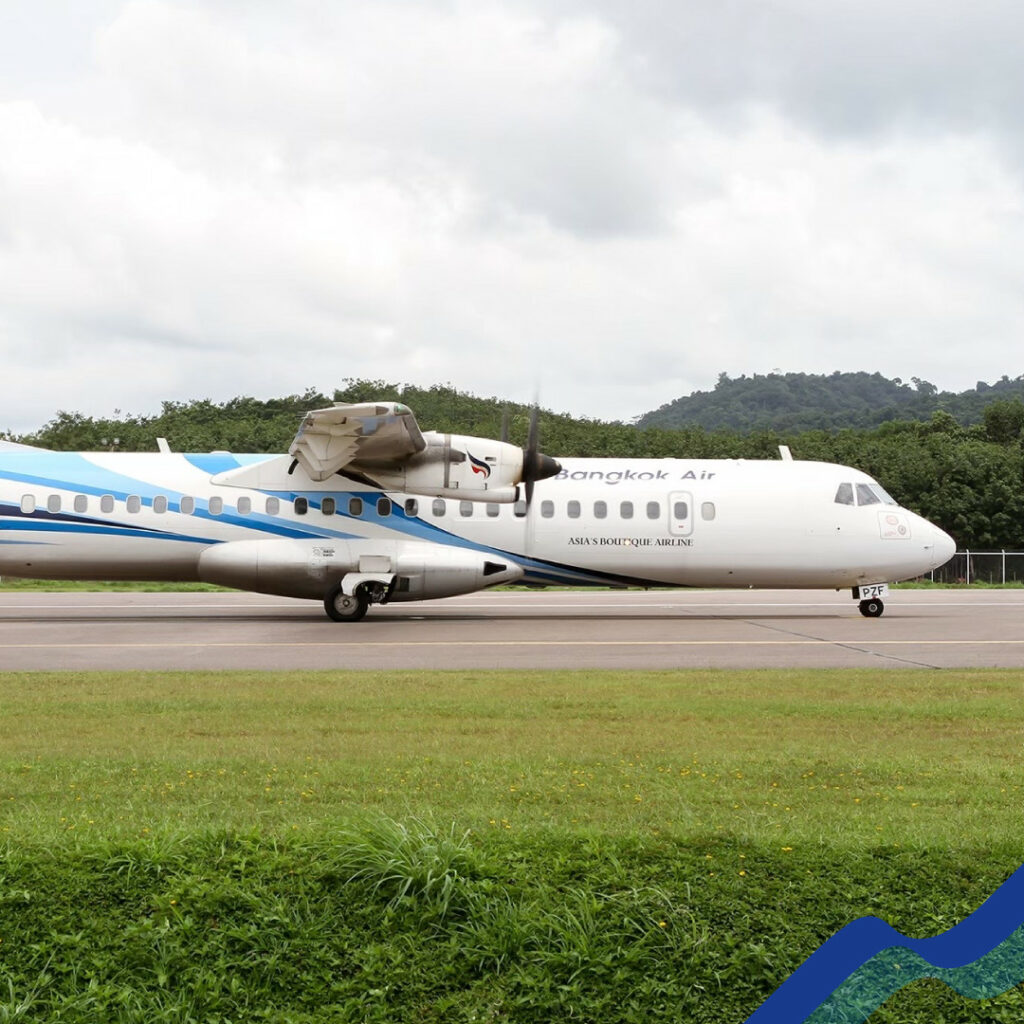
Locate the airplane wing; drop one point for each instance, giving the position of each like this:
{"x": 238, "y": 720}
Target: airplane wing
{"x": 330, "y": 439}
{"x": 17, "y": 446}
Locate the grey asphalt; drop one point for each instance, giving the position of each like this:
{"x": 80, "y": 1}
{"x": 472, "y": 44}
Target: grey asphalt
{"x": 514, "y": 629}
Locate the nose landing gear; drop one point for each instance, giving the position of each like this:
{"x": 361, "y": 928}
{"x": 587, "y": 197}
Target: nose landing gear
{"x": 870, "y": 598}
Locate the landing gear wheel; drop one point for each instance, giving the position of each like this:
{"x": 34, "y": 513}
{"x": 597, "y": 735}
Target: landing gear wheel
{"x": 345, "y": 607}
{"x": 872, "y": 608}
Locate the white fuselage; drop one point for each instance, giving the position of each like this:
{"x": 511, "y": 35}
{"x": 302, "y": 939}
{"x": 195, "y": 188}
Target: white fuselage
{"x": 658, "y": 522}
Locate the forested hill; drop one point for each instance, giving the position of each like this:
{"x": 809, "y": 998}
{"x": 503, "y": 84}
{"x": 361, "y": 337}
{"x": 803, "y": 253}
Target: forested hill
{"x": 807, "y": 401}
{"x": 248, "y": 424}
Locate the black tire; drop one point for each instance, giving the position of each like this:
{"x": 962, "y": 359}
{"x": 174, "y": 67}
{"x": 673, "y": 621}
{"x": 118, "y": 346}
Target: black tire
{"x": 344, "y": 608}
{"x": 872, "y": 608}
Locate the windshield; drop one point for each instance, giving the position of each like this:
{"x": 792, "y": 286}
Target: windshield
{"x": 866, "y": 494}
{"x": 883, "y": 495}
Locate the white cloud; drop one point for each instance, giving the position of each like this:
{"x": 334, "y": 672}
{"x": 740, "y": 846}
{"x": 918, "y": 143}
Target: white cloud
{"x": 217, "y": 199}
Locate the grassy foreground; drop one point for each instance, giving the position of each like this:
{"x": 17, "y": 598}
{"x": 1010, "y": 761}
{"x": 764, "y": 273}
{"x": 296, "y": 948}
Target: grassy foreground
{"x": 488, "y": 846}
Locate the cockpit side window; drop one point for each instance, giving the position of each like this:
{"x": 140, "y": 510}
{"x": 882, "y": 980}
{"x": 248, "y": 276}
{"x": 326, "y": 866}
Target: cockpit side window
{"x": 866, "y": 496}
{"x": 844, "y": 496}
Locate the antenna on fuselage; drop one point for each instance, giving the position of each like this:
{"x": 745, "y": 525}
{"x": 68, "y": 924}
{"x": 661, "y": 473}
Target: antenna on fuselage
{"x": 785, "y": 453}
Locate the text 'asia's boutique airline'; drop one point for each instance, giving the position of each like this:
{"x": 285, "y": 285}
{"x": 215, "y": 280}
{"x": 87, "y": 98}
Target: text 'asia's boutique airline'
{"x": 366, "y": 508}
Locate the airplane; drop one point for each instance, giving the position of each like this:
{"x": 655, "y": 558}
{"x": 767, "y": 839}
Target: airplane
{"x": 365, "y": 509}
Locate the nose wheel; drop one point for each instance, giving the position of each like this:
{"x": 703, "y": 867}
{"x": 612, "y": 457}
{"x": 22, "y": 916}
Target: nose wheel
{"x": 872, "y": 607}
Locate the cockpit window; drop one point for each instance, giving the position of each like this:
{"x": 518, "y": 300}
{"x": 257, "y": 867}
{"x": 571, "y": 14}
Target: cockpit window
{"x": 844, "y": 496}
{"x": 866, "y": 496}
{"x": 887, "y": 498}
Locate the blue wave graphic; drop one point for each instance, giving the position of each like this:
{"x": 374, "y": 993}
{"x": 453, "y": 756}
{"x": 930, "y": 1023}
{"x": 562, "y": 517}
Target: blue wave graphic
{"x": 851, "y": 974}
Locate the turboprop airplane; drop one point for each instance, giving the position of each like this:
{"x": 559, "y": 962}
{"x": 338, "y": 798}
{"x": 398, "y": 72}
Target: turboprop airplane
{"x": 365, "y": 508}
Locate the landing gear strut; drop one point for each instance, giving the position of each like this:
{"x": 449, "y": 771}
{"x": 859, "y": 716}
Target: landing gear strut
{"x": 872, "y": 607}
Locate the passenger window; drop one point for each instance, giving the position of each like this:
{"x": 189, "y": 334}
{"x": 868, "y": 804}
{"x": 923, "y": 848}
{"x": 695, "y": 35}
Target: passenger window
{"x": 216, "y": 506}
{"x": 653, "y": 510}
{"x": 355, "y": 507}
{"x": 681, "y": 510}
{"x": 383, "y": 506}
{"x": 519, "y": 509}
{"x": 465, "y": 508}
{"x": 547, "y": 509}
{"x": 160, "y": 504}
{"x": 626, "y": 510}
{"x": 134, "y": 503}
{"x": 866, "y": 496}
{"x": 301, "y": 506}
{"x": 28, "y": 504}
{"x": 707, "y": 511}
{"x": 273, "y": 506}
{"x": 107, "y": 503}
{"x": 844, "y": 496}
{"x": 439, "y": 507}
{"x": 327, "y": 506}
{"x": 412, "y": 508}
{"x": 81, "y": 503}
{"x": 53, "y": 503}
{"x": 573, "y": 509}
{"x": 600, "y": 510}
{"x": 493, "y": 509}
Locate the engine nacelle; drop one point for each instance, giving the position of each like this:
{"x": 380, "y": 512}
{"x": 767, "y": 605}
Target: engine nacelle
{"x": 413, "y": 570}
{"x": 456, "y": 466}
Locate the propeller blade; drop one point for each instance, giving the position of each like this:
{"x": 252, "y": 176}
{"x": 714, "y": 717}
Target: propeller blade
{"x": 504, "y": 425}
{"x": 536, "y": 466}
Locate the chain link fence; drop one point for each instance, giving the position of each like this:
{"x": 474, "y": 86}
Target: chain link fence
{"x": 981, "y": 567}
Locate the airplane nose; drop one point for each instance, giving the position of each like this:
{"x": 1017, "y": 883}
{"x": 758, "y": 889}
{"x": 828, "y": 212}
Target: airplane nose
{"x": 943, "y": 547}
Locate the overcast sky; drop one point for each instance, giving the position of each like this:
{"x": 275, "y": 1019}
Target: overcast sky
{"x": 610, "y": 201}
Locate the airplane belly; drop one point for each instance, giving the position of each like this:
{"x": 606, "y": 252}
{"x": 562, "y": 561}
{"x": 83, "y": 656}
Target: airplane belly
{"x": 70, "y": 556}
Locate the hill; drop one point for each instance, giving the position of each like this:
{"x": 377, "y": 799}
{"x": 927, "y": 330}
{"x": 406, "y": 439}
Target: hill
{"x": 807, "y": 401}
{"x": 246, "y": 424}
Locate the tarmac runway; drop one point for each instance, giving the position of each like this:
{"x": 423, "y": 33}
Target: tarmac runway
{"x": 514, "y": 629}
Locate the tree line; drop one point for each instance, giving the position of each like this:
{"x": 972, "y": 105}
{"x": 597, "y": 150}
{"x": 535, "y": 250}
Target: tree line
{"x": 809, "y": 401}
{"x": 967, "y": 478}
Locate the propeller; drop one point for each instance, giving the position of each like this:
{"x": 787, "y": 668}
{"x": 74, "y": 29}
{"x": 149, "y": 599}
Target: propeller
{"x": 536, "y": 465}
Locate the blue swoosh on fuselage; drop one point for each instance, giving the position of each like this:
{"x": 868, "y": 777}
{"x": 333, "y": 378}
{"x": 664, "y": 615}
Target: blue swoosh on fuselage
{"x": 71, "y": 471}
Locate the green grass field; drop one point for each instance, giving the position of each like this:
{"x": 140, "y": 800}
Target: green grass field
{"x": 455, "y": 846}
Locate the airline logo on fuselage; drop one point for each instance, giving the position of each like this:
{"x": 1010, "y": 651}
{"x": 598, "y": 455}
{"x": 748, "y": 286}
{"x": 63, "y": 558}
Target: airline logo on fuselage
{"x": 619, "y": 476}
{"x": 479, "y": 466}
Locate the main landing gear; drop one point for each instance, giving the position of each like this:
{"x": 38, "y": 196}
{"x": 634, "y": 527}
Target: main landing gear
{"x": 872, "y": 607}
{"x": 342, "y": 607}
{"x": 345, "y": 607}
